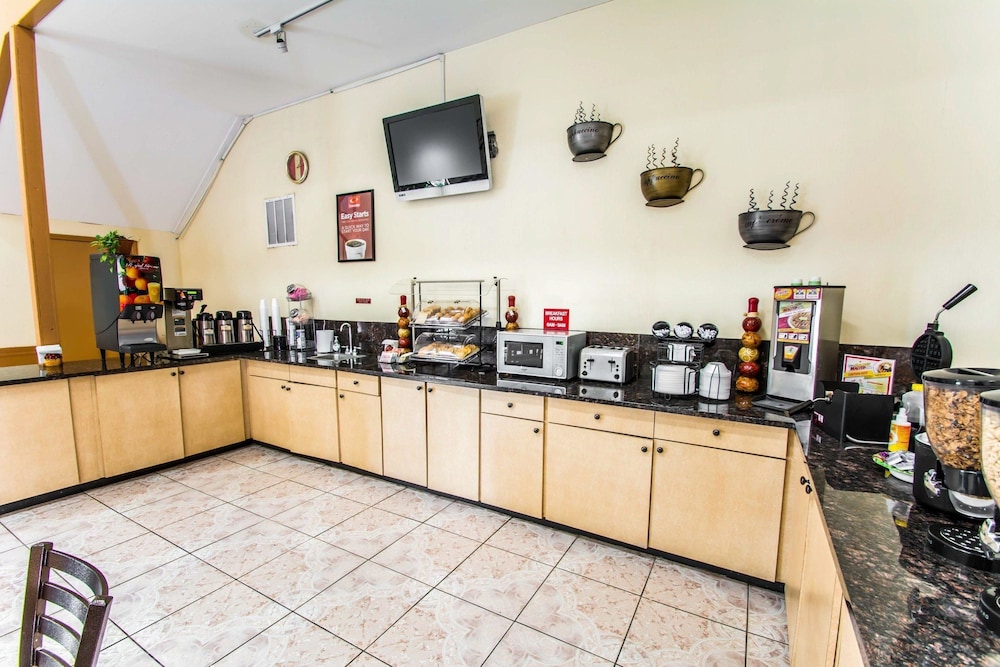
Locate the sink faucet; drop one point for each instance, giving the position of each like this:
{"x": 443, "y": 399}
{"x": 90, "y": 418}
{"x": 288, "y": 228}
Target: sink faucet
{"x": 350, "y": 338}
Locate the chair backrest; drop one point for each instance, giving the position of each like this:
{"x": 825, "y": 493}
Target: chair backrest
{"x": 76, "y": 645}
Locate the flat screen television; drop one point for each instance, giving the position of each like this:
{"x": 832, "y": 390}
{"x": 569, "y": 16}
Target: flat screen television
{"x": 440, "y": 150}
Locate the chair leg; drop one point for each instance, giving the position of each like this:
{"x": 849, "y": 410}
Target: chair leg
{"x": 38, "y": 572}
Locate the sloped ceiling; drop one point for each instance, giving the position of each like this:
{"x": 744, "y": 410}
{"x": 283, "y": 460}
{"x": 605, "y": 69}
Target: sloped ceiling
{"x": 139, "y": 97}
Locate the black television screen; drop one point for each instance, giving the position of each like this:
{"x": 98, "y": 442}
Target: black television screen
{"x": 440, "y": 150}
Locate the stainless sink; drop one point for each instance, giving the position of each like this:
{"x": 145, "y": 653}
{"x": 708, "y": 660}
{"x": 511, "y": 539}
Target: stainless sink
{"x": 338, "y": 356}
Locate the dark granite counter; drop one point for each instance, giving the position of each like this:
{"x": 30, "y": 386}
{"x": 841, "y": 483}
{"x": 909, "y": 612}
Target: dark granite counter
{"x": 913, "y": 607}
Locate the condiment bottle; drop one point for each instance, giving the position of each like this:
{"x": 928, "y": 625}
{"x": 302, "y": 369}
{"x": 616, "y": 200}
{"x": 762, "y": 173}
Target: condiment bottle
{"x": 899, "y": 432}
{"x": 511, "y": 315}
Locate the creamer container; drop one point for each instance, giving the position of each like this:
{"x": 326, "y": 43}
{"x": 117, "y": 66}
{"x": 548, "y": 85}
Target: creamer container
{"x": 899, "y": 432}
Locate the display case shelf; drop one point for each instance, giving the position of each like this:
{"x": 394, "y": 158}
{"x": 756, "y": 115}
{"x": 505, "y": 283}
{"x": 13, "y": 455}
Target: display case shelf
{"x": 449, "y": 318}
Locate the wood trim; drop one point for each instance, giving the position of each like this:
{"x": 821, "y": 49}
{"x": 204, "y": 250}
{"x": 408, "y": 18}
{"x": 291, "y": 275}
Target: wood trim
{"x": 36, "y": 213}
{"x": 17, "y": 356}
{"x": 4, "y": 71}
{"x": 38, "y": 13}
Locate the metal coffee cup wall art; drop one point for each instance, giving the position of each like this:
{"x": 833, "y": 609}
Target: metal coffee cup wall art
{"x": 773, "y": 228}
{"x": 589, "y": 138}
{"x": 664, "y": 186}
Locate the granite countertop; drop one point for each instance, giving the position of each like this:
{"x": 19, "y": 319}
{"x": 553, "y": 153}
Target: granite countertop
{"x": 913, "y": 607}
{"x": 635, "y": 394}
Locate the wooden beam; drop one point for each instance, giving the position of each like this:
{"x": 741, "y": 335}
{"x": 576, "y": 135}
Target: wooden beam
{"x": 4, "y": 71}
{"x": 35, "y": 15}
{"x": 28, "y": 127}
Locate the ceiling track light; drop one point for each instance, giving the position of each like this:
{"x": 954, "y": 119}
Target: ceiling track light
{"x": 278, "y": 29}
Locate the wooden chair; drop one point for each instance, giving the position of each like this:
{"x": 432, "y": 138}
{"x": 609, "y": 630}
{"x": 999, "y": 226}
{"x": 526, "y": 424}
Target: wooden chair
{"x": 44, "y": 598}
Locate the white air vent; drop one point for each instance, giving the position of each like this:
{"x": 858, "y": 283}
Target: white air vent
{"x": 280, "y": 221}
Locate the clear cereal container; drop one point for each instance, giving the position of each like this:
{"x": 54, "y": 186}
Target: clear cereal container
{"x": 952, "y": 413}
{"x": 990, "y": 436}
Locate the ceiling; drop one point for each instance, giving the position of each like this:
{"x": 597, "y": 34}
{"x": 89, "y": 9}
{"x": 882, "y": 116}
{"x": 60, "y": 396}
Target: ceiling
{"x": 139, "y": 99}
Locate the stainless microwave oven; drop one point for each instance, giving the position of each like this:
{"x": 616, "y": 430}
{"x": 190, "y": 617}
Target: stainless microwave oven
{"x": 544, "y": 354}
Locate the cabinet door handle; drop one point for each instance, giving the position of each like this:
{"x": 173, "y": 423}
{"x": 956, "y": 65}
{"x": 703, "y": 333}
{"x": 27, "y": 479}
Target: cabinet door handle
{"x": 172, "y": 374}
{"x": 355, "y": 383}
{"x": 803, "y": 480}
{"x": 181, "y": 372}
{"x": 288, "y": 388}
{"x": 341, "y": 395}
{"x": 645, "y": 449}
{"x": 510, "y": 405}
{"x": 535, "y": 430}
{"x": 430, "y": 389}
{"x": 716, "y": 432}
{"x": 420, "y": 387}
{"x": 809, "y": 489}
{"x": 597, "y": 416}
{"x": 659, "y": 450}
{"x": 282, "y": 386}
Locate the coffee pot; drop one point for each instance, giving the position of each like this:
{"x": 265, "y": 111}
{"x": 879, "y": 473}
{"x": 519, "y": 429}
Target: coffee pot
{"x": 204, "y": 329}
{"x": 244, "y": 326}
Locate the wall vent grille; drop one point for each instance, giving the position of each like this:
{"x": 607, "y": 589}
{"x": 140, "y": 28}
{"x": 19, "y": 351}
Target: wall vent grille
{"x": 280, "y": 212}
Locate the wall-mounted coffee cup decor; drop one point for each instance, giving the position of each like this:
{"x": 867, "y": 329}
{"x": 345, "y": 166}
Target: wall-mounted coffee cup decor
{"x": 772, "y": 228}
{"x": 589, "y": 138}
{"x": 664, "y": 186}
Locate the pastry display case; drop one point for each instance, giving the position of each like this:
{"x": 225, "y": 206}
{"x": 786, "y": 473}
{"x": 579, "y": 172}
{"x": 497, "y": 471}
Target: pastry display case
{"x": 449, "y": 319}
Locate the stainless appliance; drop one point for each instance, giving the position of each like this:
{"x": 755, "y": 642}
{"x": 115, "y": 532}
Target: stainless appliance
{"x": 244, "y": 326}
{"x": 805, "y": 340}
{"x": 224, "y": 334}
{"x": 204, "y": 329}
{"x": 177, "y": 305}
{"x": 540, "y": 353}
{"x": 605, "y": 363}
{"x": 125, "y": 298}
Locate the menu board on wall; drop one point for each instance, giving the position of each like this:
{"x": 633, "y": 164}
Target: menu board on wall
{"x": 356, "y": 226}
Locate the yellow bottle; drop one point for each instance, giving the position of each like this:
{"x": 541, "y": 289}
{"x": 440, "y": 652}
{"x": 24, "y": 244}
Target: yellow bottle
{"x": 899, "y": 432}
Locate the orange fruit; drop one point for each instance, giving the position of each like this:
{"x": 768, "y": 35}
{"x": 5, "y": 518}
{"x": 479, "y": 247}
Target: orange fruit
{"x": 142, "y": 298}
{"x": 132, "y": 272}
{"x": 140, "y": 284}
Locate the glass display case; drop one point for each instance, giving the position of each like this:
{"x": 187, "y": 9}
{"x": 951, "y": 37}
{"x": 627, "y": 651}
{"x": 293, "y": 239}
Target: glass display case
{"x": 450, "y": 318}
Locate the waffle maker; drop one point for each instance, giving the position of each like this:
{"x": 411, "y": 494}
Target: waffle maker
{"x": 932, "y": 350}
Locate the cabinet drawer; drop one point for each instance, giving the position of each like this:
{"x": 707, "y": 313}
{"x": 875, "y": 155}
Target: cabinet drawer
{"x": 630, "y": 421}
{"x": 721, "y": 434}
{"x": 264, "y": 369}
{"x": 316, "y": 376}
{"x": 362, "y": 384}
{"x": 514, "y": 405}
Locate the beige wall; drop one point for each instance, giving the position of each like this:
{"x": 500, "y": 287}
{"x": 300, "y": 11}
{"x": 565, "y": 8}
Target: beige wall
{"x": 16, "y": 295}
{"x": 884, "y": 111}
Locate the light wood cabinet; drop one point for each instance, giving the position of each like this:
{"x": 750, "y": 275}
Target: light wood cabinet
{"x": 86, "y": 428}
{"x": 360, "y": 416}
{"x": 140, "y": 418}
{"x": 718, "y": 507}
{"x": 511, "y": 459}
{"x": 298, "y": 416}
{"x": 453, "y": 440}
{"x": 792, "y": 547}
{"x": 849, "y": 651}
{"x": 598, "y": 481}
{"x": 211, "y": 406}
{"x": 37, "y": 447}
{"x": 404, "y": 430}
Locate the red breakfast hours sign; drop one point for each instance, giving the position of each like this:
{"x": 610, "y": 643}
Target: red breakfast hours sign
{"x": 556, "y": 319}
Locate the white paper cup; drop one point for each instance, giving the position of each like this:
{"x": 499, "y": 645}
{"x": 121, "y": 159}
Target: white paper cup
{"x": 355, "y": 249}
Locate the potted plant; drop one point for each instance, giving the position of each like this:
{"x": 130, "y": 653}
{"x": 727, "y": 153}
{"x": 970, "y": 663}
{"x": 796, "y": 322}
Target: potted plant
{"x": 112, "y": 244}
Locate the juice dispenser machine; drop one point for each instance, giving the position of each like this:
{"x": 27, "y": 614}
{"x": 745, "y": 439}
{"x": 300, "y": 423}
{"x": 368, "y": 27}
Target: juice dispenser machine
{"x": 126, "y": 301}
{"x": 805, "y": 340}
{"x": 178, "y": 302}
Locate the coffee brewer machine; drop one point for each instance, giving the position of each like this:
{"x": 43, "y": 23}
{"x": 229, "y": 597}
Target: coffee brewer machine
{"x": 805, "y": 341}
{"x": 125, "y": 297}
{"x": 177, "y": 303}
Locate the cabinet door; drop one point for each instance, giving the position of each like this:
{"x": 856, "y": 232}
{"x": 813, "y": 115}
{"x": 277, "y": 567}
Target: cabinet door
{"x": 792, "y": 548}
{"x": 717, "y": 507}
{"x": 404, "y": 430}
{"x": 140, "y": 414}
{"x": 312, "y": 423}
{"x": 360, "y": 417}
{"x": 820, "y": 596}
{"x": 849, "y": 651}
{"x": 598, "y": 482}
{"x": 37, "y": 447}
{"x": 453, "y": 440}
{"x": 269, "y": 418}
{"x": 510, "y": 468}
{"x": 211, "y": 406}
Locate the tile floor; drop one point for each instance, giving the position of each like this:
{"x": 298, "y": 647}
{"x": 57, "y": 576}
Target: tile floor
{"x": 258, "y": 557}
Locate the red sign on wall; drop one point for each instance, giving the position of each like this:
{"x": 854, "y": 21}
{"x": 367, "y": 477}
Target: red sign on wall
{"x": 556, "y": 319}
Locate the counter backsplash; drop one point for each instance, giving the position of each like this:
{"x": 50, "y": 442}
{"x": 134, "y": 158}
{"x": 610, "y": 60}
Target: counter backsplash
{"x": 371, "y": 335}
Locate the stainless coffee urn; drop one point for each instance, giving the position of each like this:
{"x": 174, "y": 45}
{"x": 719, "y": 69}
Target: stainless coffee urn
{"x": 204, "y": 329}
{"x": 805, "y": 340}
{"x": 177, "y": 303}
{"x": 224, "y": 334}
{"x": 244, "y": 326}
{"x": 126, "y": 301}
